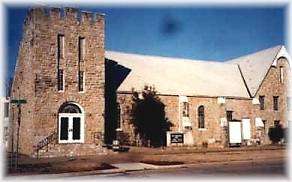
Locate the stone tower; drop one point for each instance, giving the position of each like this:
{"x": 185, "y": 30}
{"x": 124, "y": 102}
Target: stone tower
{"x": 60, "y": 72}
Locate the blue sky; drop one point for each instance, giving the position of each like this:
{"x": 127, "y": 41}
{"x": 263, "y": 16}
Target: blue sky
{"x": 205, "y": 33}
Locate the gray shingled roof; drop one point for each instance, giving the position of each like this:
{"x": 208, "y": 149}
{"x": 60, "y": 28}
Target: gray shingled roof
{"x": 175, "y": 76}
{"x": 254, "y": 67}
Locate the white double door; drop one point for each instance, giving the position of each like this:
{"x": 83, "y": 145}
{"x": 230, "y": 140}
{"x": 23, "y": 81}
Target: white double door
{"x": 234, "y": 132}
{"x": 239, "y": 130}
{"x": 71, "y": 128}
{"x": 246, "y": 129}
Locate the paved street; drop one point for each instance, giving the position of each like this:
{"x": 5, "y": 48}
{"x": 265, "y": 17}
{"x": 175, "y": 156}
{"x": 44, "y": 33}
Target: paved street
{"x": 231, "y": 169}
{"x": 270, "y": 169}
{"x": 232, "y": 162}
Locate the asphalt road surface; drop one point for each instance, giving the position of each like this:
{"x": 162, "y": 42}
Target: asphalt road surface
{"x": 267, "y": 164}
{"x": 268, "y": 169}
{"x": 231, "y": 169}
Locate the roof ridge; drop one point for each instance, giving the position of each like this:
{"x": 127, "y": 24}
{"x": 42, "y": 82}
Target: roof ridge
{"x": 253, "y": 53}
{"x": 167, "y": 57}
{"x": 255, "y": 66}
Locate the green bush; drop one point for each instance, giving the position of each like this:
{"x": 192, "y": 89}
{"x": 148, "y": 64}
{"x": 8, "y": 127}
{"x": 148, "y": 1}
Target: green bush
{"x": 276, "y": 134}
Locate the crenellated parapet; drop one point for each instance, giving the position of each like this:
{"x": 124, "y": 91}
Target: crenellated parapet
{"x": 63, "y": 14}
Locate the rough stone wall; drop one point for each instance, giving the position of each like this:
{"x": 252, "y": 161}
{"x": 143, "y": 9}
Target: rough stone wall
{"x": 212, "y": 133}
{"x": 41, "y": 69}
{"x": 270, "y": 87}
{"x": 212, "y": 125}
{"x": 23, "y": 88}
{"x": 127, "y": 135}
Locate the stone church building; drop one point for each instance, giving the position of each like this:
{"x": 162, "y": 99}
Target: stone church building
{"x": 80, "y": 96}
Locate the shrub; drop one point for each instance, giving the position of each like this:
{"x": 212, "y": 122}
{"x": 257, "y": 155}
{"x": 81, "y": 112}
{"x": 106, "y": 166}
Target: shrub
{"x": 148, "y": 118}
{"x": 276, "y": 134}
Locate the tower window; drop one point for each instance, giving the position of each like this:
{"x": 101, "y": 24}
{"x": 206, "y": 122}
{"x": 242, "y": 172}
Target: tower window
{"x": 60, "y": 80}
{"x": 81, "y": 48}
{"x": 61, "y": 46}
{"x": 81, "y": 81}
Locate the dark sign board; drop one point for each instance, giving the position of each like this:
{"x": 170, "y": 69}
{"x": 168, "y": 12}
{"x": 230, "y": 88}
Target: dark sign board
{"x": 176, "y": 138}
{"x": 18, "y": 101}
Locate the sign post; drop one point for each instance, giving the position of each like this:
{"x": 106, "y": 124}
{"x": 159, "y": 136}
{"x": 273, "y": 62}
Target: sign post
{"x": 18, "y": 103}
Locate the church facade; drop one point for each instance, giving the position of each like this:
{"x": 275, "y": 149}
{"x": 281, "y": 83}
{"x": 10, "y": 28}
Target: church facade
{"x": 80, "y": 96}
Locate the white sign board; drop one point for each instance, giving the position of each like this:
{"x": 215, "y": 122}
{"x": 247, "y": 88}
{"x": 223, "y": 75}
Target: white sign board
{"x": 259, "y": 122}
{"x": 186, "y": 121}
{"x": 246, "y": 133}
{"x": 234, "y": 132}
{"x": 223, "y": 122}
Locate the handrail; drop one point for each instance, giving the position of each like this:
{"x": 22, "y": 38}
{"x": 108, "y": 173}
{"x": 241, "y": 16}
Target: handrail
{"x": 45, "y": 142}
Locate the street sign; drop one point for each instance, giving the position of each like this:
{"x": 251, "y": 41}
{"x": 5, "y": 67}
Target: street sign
{"x": 18, "y": 101}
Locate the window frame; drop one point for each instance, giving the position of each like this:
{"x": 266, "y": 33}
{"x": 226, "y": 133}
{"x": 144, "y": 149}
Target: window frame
{"x": 276, "y": 123}
{"x": 83, "y": 82}
{"x": 262, "y": 102}
{"x": 201, "y": 117}
{"x": 186, "y": 109}
{"x": 276, "y": 103}
{"x": 281, "y": 74}
{"x": 63, "y": 80}
{"x": 70, "y": 117}
{"x": 81, "y": 48}
{"x": 61, "y": 46}
{"x": 119, "y": 118}
{"x": 229, "y": 115}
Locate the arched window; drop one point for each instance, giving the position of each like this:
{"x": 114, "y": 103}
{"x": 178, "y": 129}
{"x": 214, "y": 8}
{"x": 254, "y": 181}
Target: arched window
{"x": 71, "y": 123}
{"x": 281, "y": 74}
{"x": 185, "y": 109}
{"x": 201, "y": 117}
{"x": 69, "y": 108}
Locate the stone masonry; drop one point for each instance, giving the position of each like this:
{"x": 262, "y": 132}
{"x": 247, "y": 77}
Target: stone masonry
{"x": 36, "y": 78}
{"x": 214, "y": 133}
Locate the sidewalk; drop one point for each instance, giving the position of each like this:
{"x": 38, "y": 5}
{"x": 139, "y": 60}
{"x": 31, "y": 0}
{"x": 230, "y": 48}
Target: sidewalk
{"x": 141, "y": 157}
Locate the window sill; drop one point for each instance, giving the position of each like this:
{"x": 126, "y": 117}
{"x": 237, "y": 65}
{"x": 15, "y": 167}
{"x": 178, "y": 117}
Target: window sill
{"x": 70, "y": 142}
{"x": 202, "y": 129}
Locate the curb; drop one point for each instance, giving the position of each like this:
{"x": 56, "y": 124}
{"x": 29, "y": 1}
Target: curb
{"x": 206, "y": 163}
{"x": 70, "y": 174}
{"x": 223, "y": 150}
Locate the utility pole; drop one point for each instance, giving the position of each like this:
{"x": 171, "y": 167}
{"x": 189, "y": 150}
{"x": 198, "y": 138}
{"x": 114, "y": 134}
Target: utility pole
{"x": 18, "y": 103}
{"x": 12, "y": 139}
